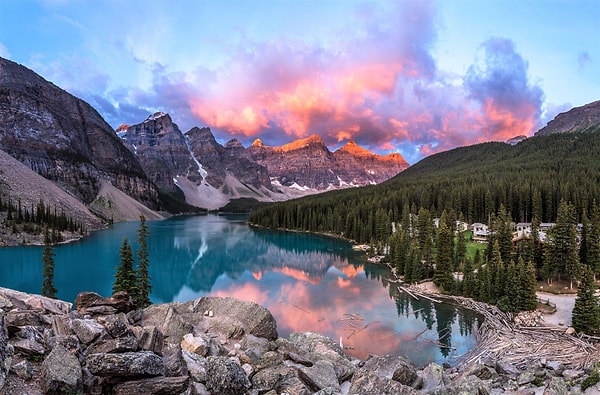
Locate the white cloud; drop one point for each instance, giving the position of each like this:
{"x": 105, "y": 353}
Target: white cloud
{"x": 4, "y": 51}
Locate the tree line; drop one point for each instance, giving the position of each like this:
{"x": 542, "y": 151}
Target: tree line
{"x": 135, "y": 281}
{"x": 552, "y": 178}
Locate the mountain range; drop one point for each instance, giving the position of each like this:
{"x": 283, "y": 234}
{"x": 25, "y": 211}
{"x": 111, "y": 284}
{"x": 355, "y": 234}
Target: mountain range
{"x": 153, "y": 167}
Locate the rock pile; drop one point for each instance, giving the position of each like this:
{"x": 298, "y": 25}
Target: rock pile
{"x": 107, "y": 347}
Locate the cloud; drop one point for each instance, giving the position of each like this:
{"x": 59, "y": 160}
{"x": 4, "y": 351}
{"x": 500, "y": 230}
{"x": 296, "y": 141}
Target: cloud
{"x": 583, "y": 59}
{"x": 4, "y": 52}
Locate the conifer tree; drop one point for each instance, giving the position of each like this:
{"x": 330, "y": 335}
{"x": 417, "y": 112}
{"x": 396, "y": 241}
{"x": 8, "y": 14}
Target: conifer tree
{"x": 143, "y": 277}
{"x": 125, "y": 278}
{"x": 461, "y": 250}
{"x": 442, "y": 276}
{"x": 593, "y": 240}
{"x": 528, "y": 284}
{"x": 48, "y": 288}
{"x": 586, "y": 312}
{"x": 561, "y": 255}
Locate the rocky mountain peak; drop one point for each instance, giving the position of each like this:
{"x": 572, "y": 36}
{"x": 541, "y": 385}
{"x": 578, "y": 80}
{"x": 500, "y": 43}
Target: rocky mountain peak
{"x": 577, "y": 119}
{"x": 257, "y": 143}
{"x": 313, "y": 140}
{"x": 353, "y": 148}
{"x": 233, "y": 143}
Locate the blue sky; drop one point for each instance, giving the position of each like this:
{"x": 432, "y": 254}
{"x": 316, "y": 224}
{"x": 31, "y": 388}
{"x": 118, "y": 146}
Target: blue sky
{"x": 413, "y": 77}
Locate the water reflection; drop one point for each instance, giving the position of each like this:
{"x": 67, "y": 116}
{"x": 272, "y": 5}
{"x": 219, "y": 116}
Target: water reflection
{"x": 309, "y": 283}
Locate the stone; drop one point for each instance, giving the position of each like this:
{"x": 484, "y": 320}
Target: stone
{"x": 196, "y": 345}
{"x": 117, "y": 325}
{"x": 20, "y": 318}
{"x": 572, "y": 374}
{"x": 154, "y": 385}
{"x": 22, "y": 369}
{"x": 6, "y": 350}
{"x": 281, "y": 379}
{"x": 94, "y": 304}
{"x": 391, "y": 367}
{"x": 61, "y": 372}
{"x": 149, "y": 338}
{"x": 526, "y": 377}
{"x": 174, "y": 362}
{"x": 504, "y": 367}
{"x": 166, "y": 319}
{"x": 556, "y": 386}
{"x": 225, "y": 377}
{"x": 196, "y": 366}
{"x": 86, "y": 330}
{"x": 70, "y": 342}
{"x": 143, "y": 363}
{"x": 316, "y": 346}
{"x": 370, "y": 383}
{"x": 28, "y": 341}
{"x": 555, "y": 367}
{"x": 43, "y": 304}
{"x": 433, "y": 377}
{"x": 122, "y": 344}
{"x": 469, "y": 385}
{"x": 319, "y": 376}
{"x": 234, "y": 315}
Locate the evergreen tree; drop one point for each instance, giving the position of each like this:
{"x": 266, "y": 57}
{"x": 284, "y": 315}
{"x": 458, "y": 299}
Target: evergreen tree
{"x": 528, "y": 284}
{"x": 461, "y": 250}
{"x": 586, "y": 312}
{"x": 48, "y": 260}
{"x": 442, "y": 276}
{"x": 143, "y": 277}
{"x": 561, "y": 255}
{"x": 125, "y": 278}
{"x": 593, "y": 240}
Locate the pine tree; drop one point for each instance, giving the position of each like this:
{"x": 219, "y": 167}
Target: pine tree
{"x": 125, "y": 278}
{"x": 461, "y": 250}
{"x": 586, "y": 312}
{"x": 593, "y": 240}
{"x": 561, "y": 255}
{"x": 48, "y": 260}
{"x": 143, "y": 277}
{"x": 528, "y": 284}
{"x": 442, "y": 276}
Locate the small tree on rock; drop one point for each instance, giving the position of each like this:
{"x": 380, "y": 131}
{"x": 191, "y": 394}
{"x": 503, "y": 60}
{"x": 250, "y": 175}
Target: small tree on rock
{"x": 125, "y": 277}
{"x": 48, "y": 288}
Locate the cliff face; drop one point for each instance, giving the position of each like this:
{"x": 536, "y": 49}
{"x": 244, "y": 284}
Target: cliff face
{"x": 64, "y": 139}
{"x": 577, "y": 119}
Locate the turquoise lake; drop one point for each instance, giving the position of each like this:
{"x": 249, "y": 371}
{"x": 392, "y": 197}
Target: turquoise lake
{"x": 309, "y": 282}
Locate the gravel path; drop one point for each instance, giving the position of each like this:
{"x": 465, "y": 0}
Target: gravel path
{"x": 564, "y": 308}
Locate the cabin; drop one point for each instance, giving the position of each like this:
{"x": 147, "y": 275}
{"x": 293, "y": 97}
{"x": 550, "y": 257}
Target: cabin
{"x": 481, "y": 232}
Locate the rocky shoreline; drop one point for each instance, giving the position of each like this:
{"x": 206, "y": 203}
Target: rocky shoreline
{"x": 225, "y": 346}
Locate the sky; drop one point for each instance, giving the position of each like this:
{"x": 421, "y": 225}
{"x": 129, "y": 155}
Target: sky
{"x": 413, "y": 77}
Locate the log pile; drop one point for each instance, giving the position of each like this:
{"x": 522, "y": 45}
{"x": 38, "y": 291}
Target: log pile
{"x": 498, "y": 338}
{"x": 529, "y": 318}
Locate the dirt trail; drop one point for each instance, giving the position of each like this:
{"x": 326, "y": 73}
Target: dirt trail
{"x": 564, "y": 308}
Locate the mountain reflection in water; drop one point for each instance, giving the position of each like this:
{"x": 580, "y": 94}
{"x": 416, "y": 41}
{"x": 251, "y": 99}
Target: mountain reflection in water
{"x": 308, "y": 282}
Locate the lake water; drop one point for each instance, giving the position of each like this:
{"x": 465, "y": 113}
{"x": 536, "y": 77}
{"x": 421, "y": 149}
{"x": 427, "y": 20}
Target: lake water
{"x": 308, "y": 282}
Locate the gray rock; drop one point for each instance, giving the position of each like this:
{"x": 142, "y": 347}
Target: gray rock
{"x": 174, "y": 362}
{"x": 555, "y": 367}
{"x": 28, "y": 341}
{"x": 572, "y": 374}
{"x": 143, "y": 363}
{"x": 154, "y": 385}
{"x": 556, "y": 386}
{"x": 281, "y": 379}
{"x": 370, "y": 383}
{"x": 22, "y": 369}
{"x": 87, "y": 330}
{"x": 61, "y": 372}
{"x": 149, "y": 338}
{"x": 526, "y": 377}
{"x": 433, "y": 377}
{"x": 117, "y": 325}
{"x": 504, "y": 367}
{"x": 6, "y": 350}
{"x": 196, "y": 366}
{"x": 195, "y": 344}
{"x": 321, "y": 375}
{"x": 25, "y": 301}
{"x": 316, "y": 346}
{"x": 230, "y": 313}
{"x": 269, "y": 359}
{"x": 20, "y": 318}
{"x": 468, "y": 385}
{"x": 225, "y": 377}
{"x": 255, "y": 346}
{"x": 166, "y": 319}
{"x": 70, "y": 342}
{"x": 391, "y": 367}
{"x": 122, "y": 344}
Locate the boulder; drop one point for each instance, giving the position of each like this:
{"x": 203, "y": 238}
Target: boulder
{"x": 231, "y": 314}
{"x": 143, "y": 363}
{"x": 196, "y": 366}
{"x": 6, "y": 350}
{"x": 174, "y": 362}
{"x": 86, "y": 330}
{"x": 556, "y": 386}
{"x": 507, "y": 368}
{"x": 117, "y": 325}
{"x": 193, "y": 344}
{"x": 167, "y": 320}
{"x": 319, "y": 376}
{"x": 391, "y": 367}
{"x": 572, "y": 374}
{"x": 225, "y": 377}
{"x": 149, "y": 338}
{"x": 154, "y": 385}
{"x": 316, "y": 346}
{"x": 61, "y": 372}
{"x": 468, "y": 385}
{"x": 94, "y": 304}
{"x": 25, "y": 301}
{"x": 370, "y": 383}
{"x": 122, "y": 344}
{"x": 281, "y": 379}
{"x": 433, "y": 377}
{"x": 22, "y": 369}
{"x": 20, "y": 318}
{"x": 28, "y": 341}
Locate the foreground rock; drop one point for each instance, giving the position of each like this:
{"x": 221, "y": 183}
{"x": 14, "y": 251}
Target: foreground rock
{"x": 222, "y": 346}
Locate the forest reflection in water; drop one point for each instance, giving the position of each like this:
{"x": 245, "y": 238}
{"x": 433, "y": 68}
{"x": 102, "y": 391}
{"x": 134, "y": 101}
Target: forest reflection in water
{"x": 308, "y": 282}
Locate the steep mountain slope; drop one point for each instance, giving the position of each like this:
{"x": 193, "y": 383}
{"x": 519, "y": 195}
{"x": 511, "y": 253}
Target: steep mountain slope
{"x": 580, "y": 119}
{"x": 64, "y": 139}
